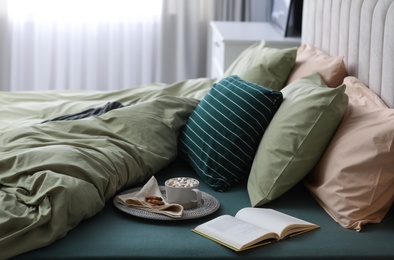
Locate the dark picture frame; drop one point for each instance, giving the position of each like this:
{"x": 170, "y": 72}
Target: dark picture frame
{"x": 286, "y": 17}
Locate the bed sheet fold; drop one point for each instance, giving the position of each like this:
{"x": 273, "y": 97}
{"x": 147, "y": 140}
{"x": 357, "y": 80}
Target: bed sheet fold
{"x": 55, "y": 174}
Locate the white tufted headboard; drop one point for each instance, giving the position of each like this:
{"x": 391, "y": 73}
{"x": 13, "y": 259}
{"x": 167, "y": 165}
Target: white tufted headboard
{"x": 360, "y": 30}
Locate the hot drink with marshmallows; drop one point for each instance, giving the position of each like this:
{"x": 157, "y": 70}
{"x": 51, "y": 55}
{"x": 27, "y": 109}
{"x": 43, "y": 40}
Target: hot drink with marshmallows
{"x": 183, "y": 191}
{"x": 182, "y": 182}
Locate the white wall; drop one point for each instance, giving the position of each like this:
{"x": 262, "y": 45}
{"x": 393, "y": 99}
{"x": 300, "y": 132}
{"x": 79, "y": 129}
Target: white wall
{"x": 260, "y": 10}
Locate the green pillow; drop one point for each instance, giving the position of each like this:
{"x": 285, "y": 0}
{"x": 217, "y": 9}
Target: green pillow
{"x": 296, "y": 137}
{"x": 222, "y": 134}
{"x": 263, "y": 65}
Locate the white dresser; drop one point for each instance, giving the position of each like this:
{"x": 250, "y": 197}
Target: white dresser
{"x": 228, "y": 39}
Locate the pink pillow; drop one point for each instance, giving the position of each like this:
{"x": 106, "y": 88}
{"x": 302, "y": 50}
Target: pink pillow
{"x": 310, "y": 59}
{"x": 354, "y": 180}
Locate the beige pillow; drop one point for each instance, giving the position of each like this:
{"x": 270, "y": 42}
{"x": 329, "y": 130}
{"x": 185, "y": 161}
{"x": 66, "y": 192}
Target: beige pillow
{"x": 296, "y": 137}
{"x": 310, "y": 59}
{"x": 265, "y": 66}
{"x": 354, "y": 180}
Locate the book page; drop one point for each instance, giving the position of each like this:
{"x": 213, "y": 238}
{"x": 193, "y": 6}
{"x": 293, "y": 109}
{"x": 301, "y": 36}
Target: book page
{"x": 272, "y": 220}
{"x": 234, "y": 232}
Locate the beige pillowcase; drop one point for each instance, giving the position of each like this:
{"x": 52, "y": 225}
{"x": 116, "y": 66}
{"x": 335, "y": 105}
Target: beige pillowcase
{"x": 265, "y": 66}
{"x": 354, "y": 180}
{"x": 311, "y": 59}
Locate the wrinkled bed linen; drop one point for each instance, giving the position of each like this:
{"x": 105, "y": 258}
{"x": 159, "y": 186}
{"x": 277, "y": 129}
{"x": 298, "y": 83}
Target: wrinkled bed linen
{"x": 97, "y": 111}
{"x": 26, "y": 108}
{"x": 55, "y": 174}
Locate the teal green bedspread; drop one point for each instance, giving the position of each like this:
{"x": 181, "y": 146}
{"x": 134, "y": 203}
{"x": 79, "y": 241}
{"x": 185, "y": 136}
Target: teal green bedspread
{"x": 113, "y": 234}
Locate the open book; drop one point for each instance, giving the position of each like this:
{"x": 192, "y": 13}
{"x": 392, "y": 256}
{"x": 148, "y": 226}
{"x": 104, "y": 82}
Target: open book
{"x": 252, "y": 227}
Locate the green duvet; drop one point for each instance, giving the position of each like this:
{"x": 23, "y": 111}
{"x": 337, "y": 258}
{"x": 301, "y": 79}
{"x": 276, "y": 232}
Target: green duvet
{"x": 55, "y": 174}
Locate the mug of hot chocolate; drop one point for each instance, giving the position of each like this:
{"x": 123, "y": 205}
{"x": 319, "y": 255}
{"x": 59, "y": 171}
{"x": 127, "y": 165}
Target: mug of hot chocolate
{"x": 183, "y": 191}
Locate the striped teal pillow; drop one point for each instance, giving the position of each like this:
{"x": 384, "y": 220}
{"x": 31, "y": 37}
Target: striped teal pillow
{"x": 222, "y": 134}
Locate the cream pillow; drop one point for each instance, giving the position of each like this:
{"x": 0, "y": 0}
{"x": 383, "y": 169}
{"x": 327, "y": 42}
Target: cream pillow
{"x": 310, "y": 59}
{"x": 354, "y": 180}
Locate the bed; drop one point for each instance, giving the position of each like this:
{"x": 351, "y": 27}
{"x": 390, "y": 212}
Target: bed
{"x": 324, "y": 153}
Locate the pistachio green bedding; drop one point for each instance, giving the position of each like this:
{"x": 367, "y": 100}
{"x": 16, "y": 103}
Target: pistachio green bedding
{"x": 55, "y": 174}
